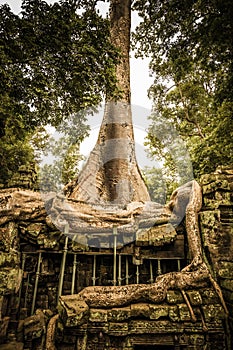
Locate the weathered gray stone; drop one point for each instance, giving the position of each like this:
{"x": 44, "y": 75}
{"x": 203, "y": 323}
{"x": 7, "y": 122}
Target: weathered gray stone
{"x": 213, "y": 312}
{"x": 173, "y": 313}
{"x": 174, "y": 297}
{"x": 34, "y": 326}
{"x": 225, "y": 269}
{"x": 184, "y": 312}
{"x": 197, "y": 339}
{"x": 194, "y": 297}
{"x": 12, "y": 346}
{"x": 98, "y": 315}
{"x": 10, "y": 280}
{"x": 154, "y": 327}
{"x": 158, "y": 311}
{"x": 10, "y": 259}
{"x": 119, "y": 314}
{"x": 227, "y": 284}
{"x": 156, "y": 236}
{"x": 118, "y": 329}
{"x": 72, "y": 310}
{"x": 209, "y": 296}
{"x": 140, "y": 309}
{"x": 4, "y": 322}
{"x": 218, "y": 184}
{"x": 9, "y": 237}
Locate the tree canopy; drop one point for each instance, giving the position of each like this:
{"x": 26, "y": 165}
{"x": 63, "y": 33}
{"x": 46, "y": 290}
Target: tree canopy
{"x": 55, "y": 60}
{"x": 191, "y": 49}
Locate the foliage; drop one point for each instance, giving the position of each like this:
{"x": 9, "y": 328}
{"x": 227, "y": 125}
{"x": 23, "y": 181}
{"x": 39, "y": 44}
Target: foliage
{"x": 14, "y": 152}
{"x": 60, "y": 160}
{"x": 55, "y": 60}
{"x": 160, "y": 183}
{"x": 190, "y": 45}
{"x": 64, "y": 167}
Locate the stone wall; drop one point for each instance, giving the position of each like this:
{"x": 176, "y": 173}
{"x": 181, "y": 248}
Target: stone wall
{"x": 216, "y": 220}
{"x": 169, "y": 324}
{"x": 195, "y": 320}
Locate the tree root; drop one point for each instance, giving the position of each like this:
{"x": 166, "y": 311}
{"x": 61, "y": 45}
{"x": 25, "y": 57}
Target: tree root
{"x": 196, "y": 273}
{"x": 50, "y": 336}
{"x": 193, "y": 317}
{"x": 219, "y": 292}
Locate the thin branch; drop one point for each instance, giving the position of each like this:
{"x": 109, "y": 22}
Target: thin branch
{"x": 187, "y": 115}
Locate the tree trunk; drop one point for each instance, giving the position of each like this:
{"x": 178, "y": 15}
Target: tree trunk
{"x": 111, "y": 173}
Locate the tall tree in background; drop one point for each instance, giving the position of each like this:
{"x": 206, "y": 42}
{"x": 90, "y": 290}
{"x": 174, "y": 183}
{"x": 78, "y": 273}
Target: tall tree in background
{"x": 111, "y": 173}
{"x": 191, "y": 48}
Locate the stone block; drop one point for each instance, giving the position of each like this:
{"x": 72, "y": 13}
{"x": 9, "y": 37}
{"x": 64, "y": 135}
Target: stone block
{"x": 158, "y": 311}
{"x": 218, "y": 184}
{"x": 210, "y": 218}
{"x": 174, "y": 297}
{"x": 173, "y": 313}
{"x": 194, "y": 297}
{"x": 140, "y": 309}
{"x": 223, "y": 197}
{"x": 139, "y": 327}
{"x": 212, "y": 313}
{"x": 10, "y": 280}
{"x": 220, "y": 199}
{"x": 208, "y": 178}
{"x": 142, "y": 237}
{"x": 156, "y": 235}
{"x": 118, "y": 328}
{"x": 46, "y": 242}
{"x": 98, "y": 315}
{"x": 9, "y": 237}
{"x": 119, "y": 314}
{"x": 197, "y": 339}
{"x": 4, "y": 242}
{"x": 154, "y": 327}
{"x": 4, "y": 327}
{"x": 3, "y": 305}
{"x": 72, "y": 310}
{"x": 34, "y": 326}
{"x": 162, "y": 234}
{"x": 12, "y": 346}
{"x": 34, "y": 229}
{"x": 209, "y": 296}
{"x": 225, "y": 269}
{"x": 227, "y": 284}
{"x": 184, "y": 312}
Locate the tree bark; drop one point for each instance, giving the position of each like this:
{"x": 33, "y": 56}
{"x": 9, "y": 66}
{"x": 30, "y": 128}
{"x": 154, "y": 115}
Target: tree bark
{"x": 111, "y": 173}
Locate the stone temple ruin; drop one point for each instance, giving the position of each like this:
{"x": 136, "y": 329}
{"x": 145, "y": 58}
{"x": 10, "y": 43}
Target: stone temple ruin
{"x": 129, "y": 276}
{"x": 151, "y": 285}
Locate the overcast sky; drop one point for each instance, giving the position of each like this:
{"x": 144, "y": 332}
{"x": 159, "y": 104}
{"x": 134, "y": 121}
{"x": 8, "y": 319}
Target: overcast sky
{"x": 140, "y": 80}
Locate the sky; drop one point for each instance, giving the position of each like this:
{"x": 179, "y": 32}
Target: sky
{"x": 140, "y": 79}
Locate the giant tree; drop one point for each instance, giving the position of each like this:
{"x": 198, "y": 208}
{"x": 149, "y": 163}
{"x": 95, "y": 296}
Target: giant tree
{"x": 111, "y": 173}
